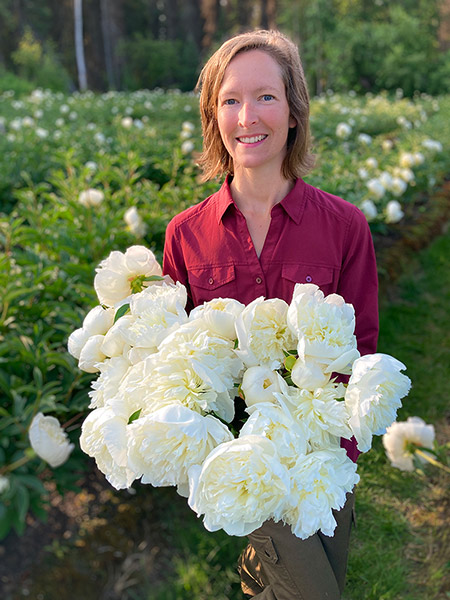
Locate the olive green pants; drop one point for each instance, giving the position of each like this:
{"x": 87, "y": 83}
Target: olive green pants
{"x": 276, "y": 565}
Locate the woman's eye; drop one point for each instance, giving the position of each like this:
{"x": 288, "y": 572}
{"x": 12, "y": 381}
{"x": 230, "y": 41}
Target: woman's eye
{"x": 267, "y": 97}
{"x": 229, "y": 101}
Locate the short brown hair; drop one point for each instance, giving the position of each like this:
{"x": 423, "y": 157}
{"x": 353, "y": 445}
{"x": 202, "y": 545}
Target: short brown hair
{"x": 215, "y": 159}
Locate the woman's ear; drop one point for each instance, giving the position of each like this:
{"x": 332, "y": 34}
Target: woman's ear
{"x": 292, "y": 122}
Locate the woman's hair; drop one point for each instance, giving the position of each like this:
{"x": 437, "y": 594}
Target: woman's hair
{"x": 215, "y": 159}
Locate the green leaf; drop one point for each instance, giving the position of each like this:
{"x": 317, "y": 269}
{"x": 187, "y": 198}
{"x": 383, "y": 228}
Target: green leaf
{"x": 134, "y": 416}
{"x": 153, "y": 278}
{"x": 22, "y": 502}
{"x": 123, "y": 310}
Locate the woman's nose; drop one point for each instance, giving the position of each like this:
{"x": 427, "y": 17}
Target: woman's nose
{"x": 247, "y": 115}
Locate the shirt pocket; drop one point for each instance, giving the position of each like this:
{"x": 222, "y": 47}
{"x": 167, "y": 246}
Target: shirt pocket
{"x": 301, "y": 273}
{"x": 207, "y": 283}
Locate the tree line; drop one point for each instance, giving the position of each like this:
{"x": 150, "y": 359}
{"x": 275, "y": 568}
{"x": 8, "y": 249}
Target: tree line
{"x": 366, "y": 45}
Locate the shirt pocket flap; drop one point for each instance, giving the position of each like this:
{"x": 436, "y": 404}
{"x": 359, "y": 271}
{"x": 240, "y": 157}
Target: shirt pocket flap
{"x": 307, "y": 274}
{"x": 211, "y": 278}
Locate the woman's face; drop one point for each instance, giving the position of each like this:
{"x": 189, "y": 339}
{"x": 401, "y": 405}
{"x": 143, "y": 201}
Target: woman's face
{"x": 253, "y": 113}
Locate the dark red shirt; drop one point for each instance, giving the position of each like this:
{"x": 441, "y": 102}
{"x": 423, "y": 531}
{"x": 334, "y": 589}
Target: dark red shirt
{"x": 314, "y": 237}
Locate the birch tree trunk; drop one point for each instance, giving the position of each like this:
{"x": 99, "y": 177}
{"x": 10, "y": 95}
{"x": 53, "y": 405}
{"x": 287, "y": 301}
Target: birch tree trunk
{"x": 79, "y": 48}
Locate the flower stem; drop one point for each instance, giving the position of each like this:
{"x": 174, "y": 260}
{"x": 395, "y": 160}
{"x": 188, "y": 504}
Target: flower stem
{"x": 432, "y": 460}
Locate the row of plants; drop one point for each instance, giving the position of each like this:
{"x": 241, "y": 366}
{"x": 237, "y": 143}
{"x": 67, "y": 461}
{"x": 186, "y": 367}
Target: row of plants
{"x": 86, "y": 174}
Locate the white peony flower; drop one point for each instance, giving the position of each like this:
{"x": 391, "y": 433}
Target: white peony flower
{"x": 162, "y": 446}
{"x": 127, "y": 122}
{"x": 91, "y": 197}
{"x": 275, "y": 422}
{"x": 376, "y": 188}
{"x": 91, "y": 354}
{"x": 399, "y": 438}
{"x": 98, "y": 320}
{"x": 419, "y": 158}
{"x": 116, "y": 274}
{"x": 262, "y": 333}
{"x": 155, "y": 313}
{"x": 259, "y": 384}
{"x": 407, "y": 159}
{"x": 240, "y": 485}
{"x": 320, "y": 410}
{"x": 49, "y": 440}
{"x": 398, "y": 186}
{"x": 405, "y": 174}
{"x": 387, "y": 145}
{"x": 77, "y": 341}
{"x": 105, "y": 387}
{"x": 343, "y": 130}
{"x": 385, "y": 179}
{"x": 364, "y": 139}
{"x": 320, "y": 482}
{"x": 394, "y": 212}
{"x": 134, "y": 221}
{"x": 433, "y": 145}
{"x": 369, "y": 209}
{"x": 220, "y": 315}
{"x": 324, "y": 328}
{"x": 372, "y": 162}
{"x": 187, "y": 147}
{"x": 4, "y": 484}
{"x": 104, "y": 437}
{"x": 373, "y": 396}
{"x": 309, "y": 374}
{"x": 363, "y": 173}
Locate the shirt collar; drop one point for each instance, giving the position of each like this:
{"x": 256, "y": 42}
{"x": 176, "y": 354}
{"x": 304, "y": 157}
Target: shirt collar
{"x": 293, "y": 203}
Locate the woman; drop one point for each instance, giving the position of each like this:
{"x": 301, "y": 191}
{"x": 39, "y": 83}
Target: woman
{"x": 264, "y": 231}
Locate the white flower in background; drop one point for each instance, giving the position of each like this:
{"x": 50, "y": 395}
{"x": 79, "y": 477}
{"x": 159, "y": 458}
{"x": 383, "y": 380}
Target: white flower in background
{"x": 276, "y": 424}
{"x": 91, "y": 197}
{"x": 134, "y": 221}
{"x": 91, "y": 165}
{"x": 385, "y": 179}
{"x": 376, "y": 188}
{"x": 372, "y": 162}
{"x": 28, "y": 121}
{"x": 49, "y": 440}
{"x": 320, "y": 482}
{"x": 343, "y": 130}
{"x": 100, "y": 137}
{"x": 403, "y": 122}
{"x": 4, "y": 484}
{"x": 387, "y": 145}
{"x": 163, "y": 445}
{"x": 240, "y": 485}
{"x": 364, "y": 139}
{"x": 220, "y": 315}
{"x": 363, "y": 173}
{"x": 324, "y": 327}
{"x": 127, "y": 122}
{"x": 407, "y": 159}
{"x": 405, "y": 174}
{"x": 185, "y": 135}
{"x": 116, "y": 274}
{"x": 369, "y": 209}
{"x": 394, "y": 212}
{"x": 188, "y": 126}
{"x": 41, "y": 133}
{"x": 105, "y": 387}
{"x": 432, "y": 145}
{"x": 16, "y": 124}
{"x": 104, "y": 437}
{"x": 373, "y": 396}
{"x": 399, "y": 438}
{"x": 259, "y": 384}
{"x": 419, "y": 158}
{"x": 187, "y": 147}
{"x": 398, "y": 186}
{"x": 262, "y": 333}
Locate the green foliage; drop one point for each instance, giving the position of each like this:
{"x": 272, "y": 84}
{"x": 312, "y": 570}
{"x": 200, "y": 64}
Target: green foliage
{"x": 13, "y": 84}
{"x": 154, "y": 63}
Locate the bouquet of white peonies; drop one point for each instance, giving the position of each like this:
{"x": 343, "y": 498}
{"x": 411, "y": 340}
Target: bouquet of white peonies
{"x": 164, "y": 403}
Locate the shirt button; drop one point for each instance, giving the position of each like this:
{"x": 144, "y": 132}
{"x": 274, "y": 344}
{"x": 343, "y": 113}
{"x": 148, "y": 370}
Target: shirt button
{"x": 210, "y": 281}
{"x": 258, "y": 280}
{"x": 308, "y": 278}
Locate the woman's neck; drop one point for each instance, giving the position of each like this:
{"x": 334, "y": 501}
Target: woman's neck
{"x": 258, "y": 192}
